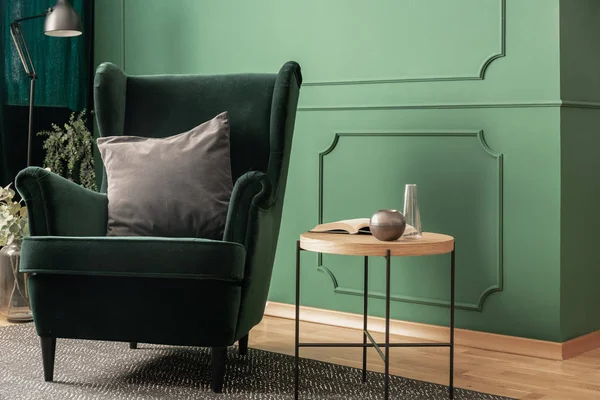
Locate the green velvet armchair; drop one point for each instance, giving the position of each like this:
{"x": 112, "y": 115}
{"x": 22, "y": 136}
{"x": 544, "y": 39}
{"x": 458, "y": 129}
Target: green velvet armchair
{"x": 174, "y": 291}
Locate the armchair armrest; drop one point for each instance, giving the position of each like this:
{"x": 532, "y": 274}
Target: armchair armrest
{"x": 251, "y": 193}
{"x": 251, "y": 222}
{"x": 59, "y": 207}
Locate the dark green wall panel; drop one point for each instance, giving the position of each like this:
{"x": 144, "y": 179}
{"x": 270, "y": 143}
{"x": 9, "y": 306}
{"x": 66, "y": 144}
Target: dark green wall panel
{"x": 580, "y": 186}
{"x": 580, "y": 258}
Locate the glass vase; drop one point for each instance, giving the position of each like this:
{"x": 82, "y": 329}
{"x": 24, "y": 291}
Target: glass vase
{"x": 413, "y": 230}
{"x": 14, "y": 299}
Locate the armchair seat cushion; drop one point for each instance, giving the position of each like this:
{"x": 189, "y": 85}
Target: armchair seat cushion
{"x": 170, "y": 258}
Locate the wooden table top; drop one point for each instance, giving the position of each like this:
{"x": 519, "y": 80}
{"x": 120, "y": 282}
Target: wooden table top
{"x": 367, "y": 245}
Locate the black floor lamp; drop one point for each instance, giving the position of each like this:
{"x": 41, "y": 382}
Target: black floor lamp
{"x": 61, "y": 21}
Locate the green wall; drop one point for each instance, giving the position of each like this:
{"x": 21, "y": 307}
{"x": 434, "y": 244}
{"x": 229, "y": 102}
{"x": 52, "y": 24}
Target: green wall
{"x": 462, "y": 98}
{"x": 580, "y": 164}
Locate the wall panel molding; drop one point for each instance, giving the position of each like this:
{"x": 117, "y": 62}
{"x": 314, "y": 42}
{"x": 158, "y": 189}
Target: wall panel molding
{"x": 458, "y": 106}
{"x": 499, "y": 272}
{"x": 581, "y": 104}
{"x": 441, "y": 106}
{"x": 480, "y": 75}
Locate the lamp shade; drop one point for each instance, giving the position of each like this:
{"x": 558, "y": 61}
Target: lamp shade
{"x": 62, "y": 21}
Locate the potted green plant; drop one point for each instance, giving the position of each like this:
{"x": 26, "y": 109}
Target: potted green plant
{"x": 69, "y": 151}
{"x": 14, "y": 301}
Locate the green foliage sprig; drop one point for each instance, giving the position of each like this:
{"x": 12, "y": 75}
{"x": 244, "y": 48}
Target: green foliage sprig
{"x": 13, "y": 218}
{"x": 69, "y": 151}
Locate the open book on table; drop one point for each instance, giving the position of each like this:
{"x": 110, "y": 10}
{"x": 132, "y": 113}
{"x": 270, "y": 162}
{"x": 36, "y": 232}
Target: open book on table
{"x": 352, "y": 226}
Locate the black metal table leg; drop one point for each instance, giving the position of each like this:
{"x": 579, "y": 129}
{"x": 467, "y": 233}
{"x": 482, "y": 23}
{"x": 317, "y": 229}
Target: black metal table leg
{"x": 368, "y": 341}
{"x": 297, "y": 347}
{"x": 365, "y": 313}
{"x": 387, "y": 325}
{"x": 452, "y": 281}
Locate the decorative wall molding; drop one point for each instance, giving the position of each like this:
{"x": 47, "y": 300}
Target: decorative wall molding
{"x": 496, "y": 287}
{"x": 457, "y": 106}
{"x": 501, "y": 52}
{"x": 463, "y": 337}
{"x": 439, "y": 106}
{"x": 581, "y": 104}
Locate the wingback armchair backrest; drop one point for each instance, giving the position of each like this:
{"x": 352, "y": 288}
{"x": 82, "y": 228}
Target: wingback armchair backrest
{"x": 165, "y": 105}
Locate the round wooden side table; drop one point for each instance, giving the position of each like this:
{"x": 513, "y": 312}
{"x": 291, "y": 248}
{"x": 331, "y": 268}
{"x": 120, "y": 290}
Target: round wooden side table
{"x": 367, "y": 245}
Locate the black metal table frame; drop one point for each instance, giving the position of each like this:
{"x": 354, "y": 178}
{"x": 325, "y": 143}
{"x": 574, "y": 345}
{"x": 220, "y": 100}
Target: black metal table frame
{"x": 366, "y": 335}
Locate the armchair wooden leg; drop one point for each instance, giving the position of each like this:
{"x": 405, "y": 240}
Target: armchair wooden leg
{"x": 48, "y": 353}
{"x": 133, "y": 345}
{"x": 218, "y": 361}
{"x": 243, "y": 345}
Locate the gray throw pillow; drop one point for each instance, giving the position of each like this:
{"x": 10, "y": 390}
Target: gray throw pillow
{"x": 178, "y": 186}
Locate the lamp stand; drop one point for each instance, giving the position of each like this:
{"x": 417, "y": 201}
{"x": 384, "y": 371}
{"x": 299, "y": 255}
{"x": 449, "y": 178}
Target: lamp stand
{"x": 19, "y": 40}
{"x": 30, "y": 125}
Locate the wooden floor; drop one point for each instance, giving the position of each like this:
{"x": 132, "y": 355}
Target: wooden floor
{"x": 484, "y": 371}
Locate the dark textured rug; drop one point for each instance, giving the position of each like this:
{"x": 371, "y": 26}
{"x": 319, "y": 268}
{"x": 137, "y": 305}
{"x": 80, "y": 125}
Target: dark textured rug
{"x": 90, "y": 370}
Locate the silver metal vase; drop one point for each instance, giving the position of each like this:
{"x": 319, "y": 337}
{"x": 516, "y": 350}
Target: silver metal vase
{"x": 387, "y": 225}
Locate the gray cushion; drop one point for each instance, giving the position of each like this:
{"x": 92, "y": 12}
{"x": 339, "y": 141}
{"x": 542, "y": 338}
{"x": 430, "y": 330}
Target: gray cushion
{"x": 178, "y": 186}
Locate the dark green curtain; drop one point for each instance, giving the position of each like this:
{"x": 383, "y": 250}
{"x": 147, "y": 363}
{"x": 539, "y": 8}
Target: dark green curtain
{"x": 60, "y": 63}
{"x": 63, "y": 67}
